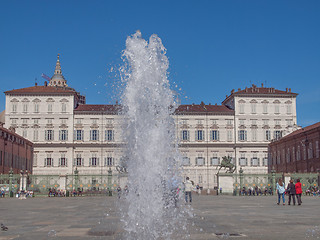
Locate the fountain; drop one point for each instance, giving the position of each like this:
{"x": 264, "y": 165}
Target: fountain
{"x": 154, "y": 207}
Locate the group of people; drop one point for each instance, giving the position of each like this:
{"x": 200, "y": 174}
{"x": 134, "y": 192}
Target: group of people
{"x": 255, "y": 191}
{"x": 119, "y": 191}
{"x": 56, "y": 193}
{"x": 294, "y": 190}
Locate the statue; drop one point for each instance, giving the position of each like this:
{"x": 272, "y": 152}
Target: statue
{"x": 227, "y": 164}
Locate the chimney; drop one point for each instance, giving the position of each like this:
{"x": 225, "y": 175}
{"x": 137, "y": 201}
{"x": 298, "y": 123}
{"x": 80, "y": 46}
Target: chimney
{"x": 239, "y": 89}
{"x": 262, "y": 85}
{"x": 45, "y": 83}
{"x": 286, "y": 89}
{"x": 36, "y": 84}
{"x": 289, "y": 89}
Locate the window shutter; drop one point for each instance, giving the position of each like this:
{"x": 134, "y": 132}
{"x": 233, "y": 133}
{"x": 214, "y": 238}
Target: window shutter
{"x": 196, "y": 135}
{"x": 112, "y": 135}
{"x": 45, "y": 135}
{"x": 105, "y": 161}
{"x": 74, "y": 135}
{"x": 245, "y": 135}
{"x": 218, "y": 160}
{"x": 59, "y": 163}
{"x": 258, "y": 161}
{"x": 82, "y": 135}
{"x": 66, "y": 135}
{"x": 97, "y": 161}
{"x": 60, "y": 133}
{"x": 251, "y": 161}
{"x": 74, "y": 162}
{"x": 203, "y": 136}
{"x": 218, "y": 135}
{"x": 52, "y": 135}
{"x": 82, "y": 162}
{"x": 238, "y": 135}
{"x": 90, "y": 161}
{"x": 45, "y": 162}
{"x": 90, "y": 135}
{"x": 105, "y": 135}
{"x": 181, "y": 135}
{"x": 246, "y": 161}
{"x": 188, "y": 135}
{"x": 98, "y": 135}
{"x": 211, "y": 135}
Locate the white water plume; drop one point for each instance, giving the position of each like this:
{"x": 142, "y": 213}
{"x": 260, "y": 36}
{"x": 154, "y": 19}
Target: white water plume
{"x": 154, "y": 207}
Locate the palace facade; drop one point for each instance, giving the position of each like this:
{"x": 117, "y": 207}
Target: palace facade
{"x": 68, "y": 133}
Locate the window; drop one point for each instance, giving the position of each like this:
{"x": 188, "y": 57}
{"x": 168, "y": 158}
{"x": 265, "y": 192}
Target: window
{"x": 185, "y": 161}
{"x": 78, "y": 160}
{"x": 200, "y": 121}
{"x": 108, "y": 161}
{"x": 199, "y": 135}
{"x": 277, "y": 122}
{"x": 63, "y": 107}
{"x": 253, "y": 121}
{"x": 229, "y": 121}
{"x": 215, "y": 160}
{"x": 289, "y": 122}
{"x": 13, "y": 121}
{"x": 94, "y": 161}
{"x": 214, "y": 121}
{"x": 185, "y": 135}
{"x": 229, "y": 135}
{"x": 253, "y": 108}
{"x": 24, "y": 120}
{"x": 276, "y": 108}
{"x": 317, "y": 149}
{"x": 265, "y": 108}
{"x": 14, "y": 107}
{"x": 265, "y": 161}
{"x": 200, "y": 161}
{"x": 242, "y": 135}
{"x": 35, "y": 135}
{"x": 254, "y": 135}
{"x": 35, "y": 121}
{"x": 94, "y": 135}
{"x": 215, "y": 135}
{"x": 79, "y": 135}
{"x": 241, "y": 108}
{"x": 63, "y": 135}
{"x": 268, "y": 135}
{"x": 24, "y": 133}
{"x": 293, "y": 154}
{"x": 25, "y": 107}
{"x": 241, "y": 122}
{"x": 265, "y": 122}
{"x": 289, "y": 108}
{"x": 310, "y": 151}
{"x": 48, "y": 162}
{"x": 243, "y": 161}
{"x": 255, "y": 160}
{"x": 35, "y": 159}
{"x": 298, "y": 153}
{"x": 49, "y": 121}
{"x": 36, "y": 107}
{"x": 49, "y": 135}
{"x": 288, "y": 155}
{"x": 64, "y": 121}
{"x": 63, "y": 160}
{"x": 94, "y": 121}
{"x": 49, "y": 107}
{"x": 277, "y": 134}
{"x": 109, "y": 135}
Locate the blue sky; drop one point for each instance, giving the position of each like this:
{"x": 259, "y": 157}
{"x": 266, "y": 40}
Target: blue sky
{"x": 213, "y": 46}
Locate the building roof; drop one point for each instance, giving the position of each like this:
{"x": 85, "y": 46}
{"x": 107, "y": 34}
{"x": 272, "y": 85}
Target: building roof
{"x": 42, "y": 90}
{"x": 203, "y": 109}
{"x": 13, "y": 133}
{"x": 98, "y": 108}
{"x": 254, "y": 90}
{"x": 301, "y": 130}
{"x": 182, "y": 109}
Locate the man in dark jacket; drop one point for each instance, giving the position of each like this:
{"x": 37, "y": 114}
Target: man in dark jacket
{"x": 292, "y": 192}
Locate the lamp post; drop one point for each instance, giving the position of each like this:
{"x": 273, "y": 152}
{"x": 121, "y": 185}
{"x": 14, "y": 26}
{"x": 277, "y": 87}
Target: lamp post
{"x": 10, "y": 182}
{"x": 109, "y": 181}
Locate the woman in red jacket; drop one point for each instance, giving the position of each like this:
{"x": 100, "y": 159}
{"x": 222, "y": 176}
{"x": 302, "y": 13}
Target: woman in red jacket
{"x": 298, "y": 191}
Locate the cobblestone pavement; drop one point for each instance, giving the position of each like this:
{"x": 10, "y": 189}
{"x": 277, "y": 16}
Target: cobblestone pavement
{"x": 215, "y": 217}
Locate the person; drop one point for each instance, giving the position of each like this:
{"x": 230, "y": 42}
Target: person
{"x": 119, "y": 192}
{"x": 298, "y": 191}
{"x": 292, "y": 192}
{"x": 188, "y": 188}
{"x": 280, "y": 190}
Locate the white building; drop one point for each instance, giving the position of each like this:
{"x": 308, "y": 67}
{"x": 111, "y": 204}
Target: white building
{"x": 69, "y": 134}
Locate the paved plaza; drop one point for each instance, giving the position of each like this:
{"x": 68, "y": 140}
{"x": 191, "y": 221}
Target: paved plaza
{"x": 215, "y": 217}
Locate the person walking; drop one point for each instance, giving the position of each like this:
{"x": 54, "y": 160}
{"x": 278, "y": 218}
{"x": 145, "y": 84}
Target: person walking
{"x": 298, "y": 191}
{"x": 280, "y": 190}
{"x": 292, "y": 192}
{"x": 188, "y": 189}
